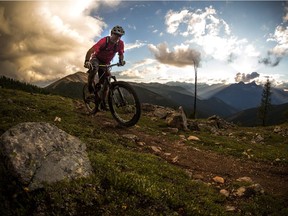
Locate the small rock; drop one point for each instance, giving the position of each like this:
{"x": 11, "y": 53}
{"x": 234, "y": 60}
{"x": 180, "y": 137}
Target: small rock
{"x": 219, "y": 179}
{"x": 10, "y": 101}
{"x": 257, "y": 188}
{"x": 175, "y": 159}
{"x": 225, "y": 192}
{"x": 258, "y": 138}
{"x": 57, "y": 119}
{"x": 230, "y": 208}
{"x": 131, "y": 137}
{"x": 277, "y": 129}
{"x": 141, "y": 143}
{"x": 240, "y": 191}
{"x": 156, "y": 149}
{"x": 178, "y": 120}
{"x": 189, "y": 173}
{"x": 193, "y": 138}
{"x": 245, "y": 179}
{"x": 182, "y": 137}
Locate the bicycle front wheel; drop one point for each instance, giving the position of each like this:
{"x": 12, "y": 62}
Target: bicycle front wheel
{"x": 89, "y": 100}
{"x": 124, "y": 104}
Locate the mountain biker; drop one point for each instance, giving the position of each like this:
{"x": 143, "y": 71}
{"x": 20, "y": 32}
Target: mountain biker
{"x": 102, "y": 53}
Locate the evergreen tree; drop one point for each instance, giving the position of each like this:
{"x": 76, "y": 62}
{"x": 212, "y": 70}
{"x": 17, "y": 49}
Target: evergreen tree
{"x": 10, "y": 83}
{"x": 265, "y": 102}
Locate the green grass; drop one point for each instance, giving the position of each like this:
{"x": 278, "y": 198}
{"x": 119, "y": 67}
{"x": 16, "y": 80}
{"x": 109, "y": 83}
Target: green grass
{"x": 125, "y": 181}
{"x": 239, "y": 141}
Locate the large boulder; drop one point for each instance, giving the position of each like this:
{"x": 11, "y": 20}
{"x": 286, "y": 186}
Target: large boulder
{"x": 40, "y": 152}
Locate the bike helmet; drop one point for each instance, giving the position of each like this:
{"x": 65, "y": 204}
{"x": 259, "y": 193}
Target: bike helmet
{"x": 118, "y": 30}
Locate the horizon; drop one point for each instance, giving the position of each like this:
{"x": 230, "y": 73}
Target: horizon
{"x": 232, "y": 41}
{"x": 284, "y": 88}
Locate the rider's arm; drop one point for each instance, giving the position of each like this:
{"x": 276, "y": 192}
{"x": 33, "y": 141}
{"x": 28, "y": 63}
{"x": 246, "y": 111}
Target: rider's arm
{"x": 121, "y": 52}
{"x": 88, "y": 54}
{"x": 121, "y": 57}
{"x": 95, "y": 49}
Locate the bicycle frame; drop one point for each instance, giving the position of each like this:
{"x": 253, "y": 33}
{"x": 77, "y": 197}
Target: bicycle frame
{"x": 107, "y": 82}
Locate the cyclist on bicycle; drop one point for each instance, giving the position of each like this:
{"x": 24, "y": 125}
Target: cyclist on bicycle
{"x": 102, "y": 53}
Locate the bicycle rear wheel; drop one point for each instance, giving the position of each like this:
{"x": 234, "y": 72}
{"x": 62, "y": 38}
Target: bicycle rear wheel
{"x": 89, "y": 100}
{"x": 124, "y": 104}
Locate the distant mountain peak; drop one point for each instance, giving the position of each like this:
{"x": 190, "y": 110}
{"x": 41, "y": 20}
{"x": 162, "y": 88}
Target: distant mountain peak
{"x": 241, "y": 83}
{"x": 78, "y": 77}
{"x": 253, "y": 83}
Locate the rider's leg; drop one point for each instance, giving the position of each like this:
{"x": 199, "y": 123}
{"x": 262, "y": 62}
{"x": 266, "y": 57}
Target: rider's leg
{"x": 92, "y": 73}
{"x": 105, "y": 96}
{"x": 90, "y": 80}
{"x": 103, "y": 73}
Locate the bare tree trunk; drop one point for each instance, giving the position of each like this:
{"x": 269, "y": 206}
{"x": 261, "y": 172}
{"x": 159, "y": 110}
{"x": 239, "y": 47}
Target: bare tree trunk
{"x": 195, "y": 93}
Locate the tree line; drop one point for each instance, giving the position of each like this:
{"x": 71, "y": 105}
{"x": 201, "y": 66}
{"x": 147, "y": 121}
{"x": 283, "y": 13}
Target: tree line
{"x": 9, "y": 83}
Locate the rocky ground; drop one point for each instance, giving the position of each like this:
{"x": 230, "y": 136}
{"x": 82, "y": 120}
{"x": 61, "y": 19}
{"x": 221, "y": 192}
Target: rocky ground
{"x": 207, "y": 166}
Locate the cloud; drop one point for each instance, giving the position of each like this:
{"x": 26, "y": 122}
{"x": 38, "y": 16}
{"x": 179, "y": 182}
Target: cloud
{"x": 246, "y": 77}
{"x": 174, "y": 19}
{"x": 43, "y": 40}
{"x": 135, "y": 45}
{"x": 280, "y": 37}
{"x": 138, "y": 71}
{"x": 181, "y": 56}
{"x": 209, "y": 32}
{"x": 131, "y": 74}
{"x": 270, "y": 60}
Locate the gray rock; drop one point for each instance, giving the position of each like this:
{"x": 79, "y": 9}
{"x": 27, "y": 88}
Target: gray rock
{"x": 40, "y": 152}
{"x": 178, "y": 120}
{"x": 131, "y": 137}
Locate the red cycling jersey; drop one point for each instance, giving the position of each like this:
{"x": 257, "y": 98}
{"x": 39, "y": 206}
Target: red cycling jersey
{"x": 105, "y": 55}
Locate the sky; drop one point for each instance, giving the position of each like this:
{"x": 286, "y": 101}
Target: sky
{"x": 224, "y": 41}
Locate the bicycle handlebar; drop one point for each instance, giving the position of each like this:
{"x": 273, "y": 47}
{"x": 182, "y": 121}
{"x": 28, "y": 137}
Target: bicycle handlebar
{"x": 108, "y": 66}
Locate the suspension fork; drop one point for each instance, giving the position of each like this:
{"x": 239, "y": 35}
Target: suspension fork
{"x": 120, "y": 98}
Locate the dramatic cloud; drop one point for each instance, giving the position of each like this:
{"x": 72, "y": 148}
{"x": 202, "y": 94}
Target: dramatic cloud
{"x": 246, "y": 77}
{"x": 285, "y": 17}
{"x": 210, "y": 32}
{"x": 45, "y": 40}
{"x": 180, "y": 57}
{"x": 280, "y": 37}
{"x": 271, "y": 60}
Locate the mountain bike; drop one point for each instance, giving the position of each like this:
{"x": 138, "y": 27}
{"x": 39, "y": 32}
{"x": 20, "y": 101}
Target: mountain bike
{"x": 123, "y": 101}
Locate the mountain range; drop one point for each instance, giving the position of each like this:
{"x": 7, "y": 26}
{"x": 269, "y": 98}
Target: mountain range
{"x": 235, "y": 102}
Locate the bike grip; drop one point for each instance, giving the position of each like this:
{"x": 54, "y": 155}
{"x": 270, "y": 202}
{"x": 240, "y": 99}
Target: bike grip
{"x": 118, "y": 64}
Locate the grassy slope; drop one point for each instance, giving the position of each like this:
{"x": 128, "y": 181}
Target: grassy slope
{"x": 125, "y": 182}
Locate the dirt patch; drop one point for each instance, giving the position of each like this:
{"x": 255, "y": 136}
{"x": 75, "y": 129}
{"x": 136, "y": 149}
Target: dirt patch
{"x": 205, "y": 165}
{"x": 209, "y": 164}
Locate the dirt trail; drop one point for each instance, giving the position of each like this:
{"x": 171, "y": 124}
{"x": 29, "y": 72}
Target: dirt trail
{"x": 210, "y": 164}
{"x": 206, "y": 164}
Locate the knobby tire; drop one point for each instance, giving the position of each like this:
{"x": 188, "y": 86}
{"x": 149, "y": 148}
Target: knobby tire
{"x": 89, "y": 100}
{"x": 130, "y": 98}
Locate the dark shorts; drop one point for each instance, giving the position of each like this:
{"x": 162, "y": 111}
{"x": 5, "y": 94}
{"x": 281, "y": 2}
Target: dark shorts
{"x": 102, "y": 71}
